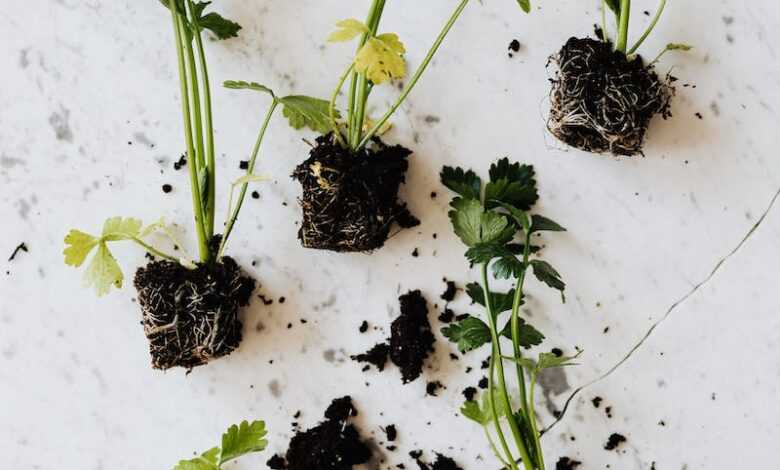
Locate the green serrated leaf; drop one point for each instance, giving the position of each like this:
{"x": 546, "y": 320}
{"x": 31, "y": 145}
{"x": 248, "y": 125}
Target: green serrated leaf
{"x": 501, "y": 302}
{"x": 243, "y": 439}
{"x": 348, "y": 30}
{"x": 305, "y": 111}
{"x": 486, "y": 252}
{"x": 543, "y": 224}
{"x": 242, "y": 85}
{"x": 525, "y": 5}
{"x": 466, "y": 218}
{"x": 513, "y": 184}
{"x": 103, "y": 271}
{"x": 465, "y": 183}
{"x": 78, "y": 245}
{"x": 508, "y": 267}
{"x": 220, "y": 26}
{"x": 493, "y": 227}
{"x": 528, "y": 336}
{"x": 381, "y": 59}
{"x": 469, "y": 334}
{"x": 471, "y": 410}
{"x": 197, "y": 463}
{"x": 548, "y": 275}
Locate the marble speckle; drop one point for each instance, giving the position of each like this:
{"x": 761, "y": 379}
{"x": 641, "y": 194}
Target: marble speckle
{"x": 59, "y": 121}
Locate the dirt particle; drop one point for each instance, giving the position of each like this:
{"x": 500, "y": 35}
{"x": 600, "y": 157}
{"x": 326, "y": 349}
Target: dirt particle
{"x": 614, "y": 441}
{"x": 363, "y": 326}
{"x": 597, "y": 402}
{"x": 22, "y": 247}
{"x": 470, "y": 393}
{"x": 167, "y": 188}
{"x": 449, "y": 293}
{"x": 514, "y": 47}
{"x": 181, "y": 162}
{"x": 411, "y": 339}
{"x": 432, "y": 388}
{"x": 376, "y": 356}
{"x": 243, "y": 165}
{"x": 565, "y": 463}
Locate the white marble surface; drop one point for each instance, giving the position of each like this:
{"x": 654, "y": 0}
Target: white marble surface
{"x": 89, "y": 128}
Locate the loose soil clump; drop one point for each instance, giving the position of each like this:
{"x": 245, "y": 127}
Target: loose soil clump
{"x": 191, "y": 316}
{"x": 603, "y": 101}
{"x": 565, "y": 463}
{"x": 411, "y": 339}
{"x": 334, "y": 444}
{"x": 350, "y": 200}
{"x": 442, "y": 462}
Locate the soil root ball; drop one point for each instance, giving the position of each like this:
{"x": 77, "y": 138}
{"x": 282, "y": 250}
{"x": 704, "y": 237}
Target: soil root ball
{"x": 191, "y": 316}
{"x": 350, "y": 201}
{"x": 602, "y": 101}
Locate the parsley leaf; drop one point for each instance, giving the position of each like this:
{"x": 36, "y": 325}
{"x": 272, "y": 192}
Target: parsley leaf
{"x": 508, "y": 267}
{"x": 528, "y": 335}
{"x": 540, "y": 223}
{"x": 469, "y": 334}
{"x": 381, "y": 58}
{"x": 103, "y": 272}
{"x": 465, "y": 183}
{"x": 243, "y": 439}
{"x": 548, "y": 275}
{"x": 242, "y": 85}
{"x": 466, "y": 218}
{"x": 304, "y": 111}
{"x": 525, "y": 5}
{"x": 220, "y": 26}
{"x": 78, "y": 246}
{"x": 348, "y": 30}
{"x": 118, "y": 228}
{"x": 486, "y": 252}
{"x": 511, "y": 183}
{"x": 480, "y": 412}
{"x": 501, "y": 302}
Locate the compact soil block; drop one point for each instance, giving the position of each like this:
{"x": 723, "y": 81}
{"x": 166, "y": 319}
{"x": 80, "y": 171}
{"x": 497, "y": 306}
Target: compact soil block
{"x": 191, "y": 317}
{"x": 350, "y": 200}
{"x": 603, "y": 101}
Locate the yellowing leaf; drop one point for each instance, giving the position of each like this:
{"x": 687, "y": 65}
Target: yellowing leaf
{"x": 348, "y": 30}
{"x": 103, "y": 272}
{"x": 381, "y": 58}
{"x": 246, "y": 179}
{"x": 117, "y": 228}
{"x": 78, "y": 246}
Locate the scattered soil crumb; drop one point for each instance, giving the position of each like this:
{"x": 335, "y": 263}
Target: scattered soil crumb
{"x": 376, "y": 356}
{"x": 514, "y": 47}
{"x": 433, "y": 388}
{"x": 364, "y": 326}
{"x": 614, "y": 441}
{"x": 565, "y": 463}
{"x": 597, "y": 402}
{"x": 334, "y": 444}
{"x": 447, "y": 316}
{"x": 182, "y": 161}
{"x": 19, "y": 248}
{"x": 391, "y": 432}
{"x": 442, "y": 462}
{"x": 470, "y": 393}
{"x": 449, "y": 293}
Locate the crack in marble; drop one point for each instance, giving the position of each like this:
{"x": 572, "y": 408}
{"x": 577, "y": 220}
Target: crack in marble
{"x": 668, "y": 313}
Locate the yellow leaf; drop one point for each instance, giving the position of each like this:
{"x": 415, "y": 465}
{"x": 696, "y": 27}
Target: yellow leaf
{"x": 103, "y": 272}
{"x": 78, "y": 245}
{"x": 118, "y": 228}
{"x": 348, "y": 30}
{"x": 381, "y": 59}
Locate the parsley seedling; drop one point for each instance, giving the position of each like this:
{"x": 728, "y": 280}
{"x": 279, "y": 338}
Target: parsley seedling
{"x": 237, "y": 441}
{"x": 189, "y": 21}
{"x": 494, "y": 222}
{"x": 622, "y": 12}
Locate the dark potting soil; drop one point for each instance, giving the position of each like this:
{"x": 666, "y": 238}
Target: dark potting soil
{"x": 411, "y": 339}
{"x": 334, "y": 444}
{"x": 191, "y": 316}
{"x": 449, "y": 293}
{"x": 602, "y": 101}
{"x": 377, "y": 356}
{"x": 350, "y": 201}
{"x": 442, "y": 462}
{"x": 614, "y": 441}
{"x": 565, "y": 463}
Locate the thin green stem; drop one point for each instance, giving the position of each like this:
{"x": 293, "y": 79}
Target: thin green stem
{"x": 332, "y": 106}
{"x": 203, "y": 246}
{"x": 209, "y": 134}
{"x": 534, "y": 427}
{"x": 154, "y": 251}
{"x": 515, "y": 322}
{"x": 416, "y": 77}
{"x": 497, "y": 357}
{"x": 494, "y": 448}
{"x": 351, "y": 106}
{"x": 363, "y": 88}
{"x": 197, "y": 119}
{"x": 625, "y": 15}
{"x": 494, "y": 411}
{"x": 249, "y": 171}
{"x": 650, "y": 28}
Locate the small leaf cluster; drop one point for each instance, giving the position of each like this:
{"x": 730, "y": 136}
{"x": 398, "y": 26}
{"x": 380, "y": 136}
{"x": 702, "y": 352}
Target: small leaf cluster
{"x": 103, "y": 271}
{"x": 221, "y": 27}
{"x": 237, "y": 441}
{"x": 300, "y": 111}
{"x": 381, "y": 58}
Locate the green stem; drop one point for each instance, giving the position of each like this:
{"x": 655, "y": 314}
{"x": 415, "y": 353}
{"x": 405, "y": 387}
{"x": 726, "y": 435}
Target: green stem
{"x": 249, "y": 170}
{"x": 154, "y": 251}
{"x": 494, "y": 411}
{"x": 203, "y": 246}
{"x": 416, "y": 77}
{"x": 332, "y": 106}
{"x": 534, "y": 427}
{"x": 494, "y": 448}
{"x": 351, "y": 106}
{"x": 497, "y": 358}
{"x": 209, "y": 121}
{"x": 515, "y": 322}
{"x": 359, "y": 111}
{"x": 625, "y": 14}
{"x": 650, "y": 28}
